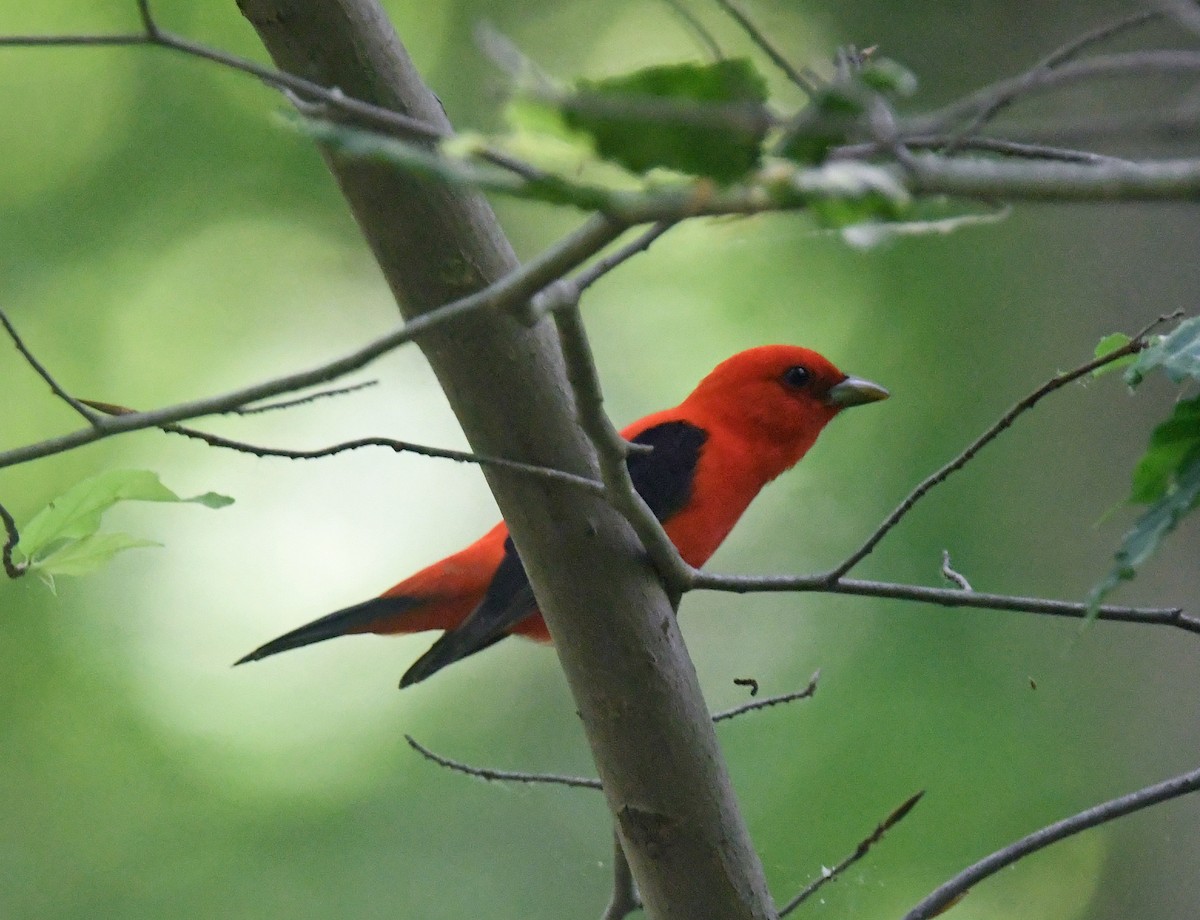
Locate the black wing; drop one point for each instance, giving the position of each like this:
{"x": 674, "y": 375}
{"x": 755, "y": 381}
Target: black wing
{"x": 509, "y": 599}
{"x": 662, "y": 477}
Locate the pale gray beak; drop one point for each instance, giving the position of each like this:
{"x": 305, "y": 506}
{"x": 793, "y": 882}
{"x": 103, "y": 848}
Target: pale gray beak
{"x": 854, "y": 391}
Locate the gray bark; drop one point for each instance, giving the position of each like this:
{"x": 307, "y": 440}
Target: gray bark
{"x": 615, "y": 631}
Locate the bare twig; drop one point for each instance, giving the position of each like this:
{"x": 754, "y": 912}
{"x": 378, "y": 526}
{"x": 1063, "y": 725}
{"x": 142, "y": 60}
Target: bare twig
{"x": 790, "y": 187}
{"x": 41, "y": 371}
{"x": 585, "y": 782}
{"x": 696, "y": 27}
{"x": 459, "y": 456}
{"x": 12, "y": 537}
{"x": 154, "y": 36}
{"x": 954, "y": 889}
{"x": 506, "y": 293}
{"x": 605, "y": 264}
{"x": 1170, "y": 123}
{"x": 1004, "y": 92}
{"x": 864, "y": 847}
{"x": 304, "y": 400}
{"x": 565, "y": 294}
{"x": 943, "y": 597}
{"x": 1017, "y": 149}
{"x": 1057, "y": 382}
{"x": 1184, "y": 13}
{"x": 624, "y": 900}
{"x": 504, "y": 776}
{"x": 612, "y": 451}
{"x": 1044, "y": 180}
{"x": 1056, "y": 58}
{"x": 955, "y": 578}
{"x": 755, "y": 705}
{"x": 804, "y": 78}
{"x": 304, "y": 94}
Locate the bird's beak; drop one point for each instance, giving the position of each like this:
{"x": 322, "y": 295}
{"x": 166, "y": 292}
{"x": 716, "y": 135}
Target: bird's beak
{"x": 854, "y": 391}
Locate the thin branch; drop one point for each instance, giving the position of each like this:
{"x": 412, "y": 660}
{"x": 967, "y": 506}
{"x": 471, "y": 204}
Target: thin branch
{"x": 1184, "y": 13}
{"x": 1102, "y": 33}
{"x": 504, "y": 776}
{"x": 41, "y": 371}
{"x": 12, "y": 537}
{"x": 154, "y": 36}
{"x": 304, "y": 94}
{"x": 586, "y": 782}
{"x": 119, "y": 40}
{"x": 956, "y": 578}
{"x": 459, "y": 456}
{"x": 696, "y": 27}
{"x": 612, "y": 451}
{"x": 804, "y": 78}
{"x": 1018, "y": 149}
{"x": 1057, "y": 382}
{"x": 788, "y": 187}
{"x": 305, "y": 400}
{"x": 943, "y": 597}
{"x": 1037, "y": 180}
{"x": 956, "y": 887}
{"x": 1152, "y": 63}
{"x": 602, "y": 266}
{"x": 755, "y": 705}
{"x": 566, "y": 293}
{"x": 624, "y": 900}
{"x": 1056, "y": 58}
{"x": 506, "y": 293}
{"x": 864, "y": 847}
{"x": 1171, "y": 123}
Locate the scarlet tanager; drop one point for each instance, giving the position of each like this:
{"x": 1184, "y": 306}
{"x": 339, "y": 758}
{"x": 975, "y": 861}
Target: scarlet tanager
{"x": 753, "y": 417}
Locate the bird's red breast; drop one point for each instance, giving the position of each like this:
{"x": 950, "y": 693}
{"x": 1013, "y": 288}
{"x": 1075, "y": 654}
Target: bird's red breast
{"x": 753, "y": 417}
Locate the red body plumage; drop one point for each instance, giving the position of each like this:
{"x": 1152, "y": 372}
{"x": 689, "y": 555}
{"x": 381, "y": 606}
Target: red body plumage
{"x": 753, "y": 417}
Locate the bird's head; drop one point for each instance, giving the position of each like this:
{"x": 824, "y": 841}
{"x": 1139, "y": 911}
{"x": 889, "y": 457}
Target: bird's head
{"x": 779, "y": 397}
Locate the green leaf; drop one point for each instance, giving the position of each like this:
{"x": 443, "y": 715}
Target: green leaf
{"x": 1106, "y": 347}
{"x": 847, "y": 193}
{"x": 1178, "y": 354}
{"x": 63, "y": 538}
{"x": 826, "y": 122}
{"x": 1148, "y": 532}
{"x": 1171, "y": 445}
{"x": 82, "y": 557}
{"x": 702, "y": 119}
{"x": 889, "y": 77}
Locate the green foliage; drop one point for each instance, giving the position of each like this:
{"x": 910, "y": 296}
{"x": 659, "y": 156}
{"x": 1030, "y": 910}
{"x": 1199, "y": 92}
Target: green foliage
{"x": 837, "y": 111}
{"x": 841, "y": 195}
{"x": 1167, "y": 477}
{"x": 1107, "y": 346}
{"x": 684, "y": 127}
{"x": 64, "y": 539}
{"x": 1147, "y": 534}
{"x": 888, "y": 77}
{"x": 1172, "y": 446}
{"x": 1177, "y": 354}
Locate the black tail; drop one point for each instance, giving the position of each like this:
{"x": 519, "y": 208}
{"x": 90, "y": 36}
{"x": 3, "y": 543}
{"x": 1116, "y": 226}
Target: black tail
{"x": 335, "y": 624}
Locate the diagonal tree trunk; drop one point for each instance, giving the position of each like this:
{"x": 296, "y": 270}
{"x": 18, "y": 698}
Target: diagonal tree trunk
{"x": 624, "y": 659}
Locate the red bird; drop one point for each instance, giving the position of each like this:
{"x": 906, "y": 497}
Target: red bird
{"x": 749, "y": 420}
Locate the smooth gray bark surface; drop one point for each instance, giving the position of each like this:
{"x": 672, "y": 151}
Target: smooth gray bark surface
{"x": 633, "y": 683}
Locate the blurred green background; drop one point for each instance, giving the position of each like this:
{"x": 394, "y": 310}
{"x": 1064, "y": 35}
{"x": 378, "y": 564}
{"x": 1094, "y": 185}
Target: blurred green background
{"x": 163, "y": 239}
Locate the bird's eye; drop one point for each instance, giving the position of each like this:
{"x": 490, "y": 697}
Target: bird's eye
{"x": 796, "y": 377}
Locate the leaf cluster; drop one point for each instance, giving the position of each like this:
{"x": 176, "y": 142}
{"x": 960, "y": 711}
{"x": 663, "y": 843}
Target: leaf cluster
{"x": 64, "y": 538}
{"x": 1167, "y": 477}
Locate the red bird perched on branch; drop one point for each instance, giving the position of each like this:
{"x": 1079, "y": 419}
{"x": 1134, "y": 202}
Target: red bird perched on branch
{"x": 749, "y": 420}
